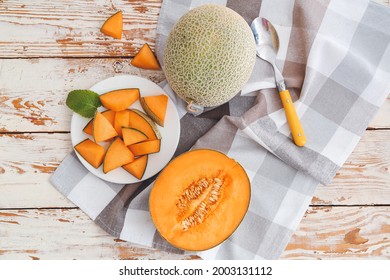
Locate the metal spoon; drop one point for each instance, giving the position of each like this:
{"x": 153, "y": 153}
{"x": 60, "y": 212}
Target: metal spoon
{"x": 267, "y": 46}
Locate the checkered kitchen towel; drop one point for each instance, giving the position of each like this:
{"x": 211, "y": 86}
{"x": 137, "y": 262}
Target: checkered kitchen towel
{"x": 335, "y": 57}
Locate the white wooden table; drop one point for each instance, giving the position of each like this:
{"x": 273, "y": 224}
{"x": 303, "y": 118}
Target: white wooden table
{"x": 48, "y": 48}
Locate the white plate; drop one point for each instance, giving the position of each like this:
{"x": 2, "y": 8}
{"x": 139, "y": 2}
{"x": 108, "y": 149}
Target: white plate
{"x": 170, "y": 132}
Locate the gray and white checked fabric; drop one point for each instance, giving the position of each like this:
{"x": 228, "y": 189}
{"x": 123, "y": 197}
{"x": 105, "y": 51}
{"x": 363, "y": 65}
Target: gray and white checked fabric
{"x": 335, "y": 56}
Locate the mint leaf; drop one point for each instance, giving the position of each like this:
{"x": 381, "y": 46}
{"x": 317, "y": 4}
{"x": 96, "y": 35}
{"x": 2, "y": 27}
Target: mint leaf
{"x": 83, "y": 102}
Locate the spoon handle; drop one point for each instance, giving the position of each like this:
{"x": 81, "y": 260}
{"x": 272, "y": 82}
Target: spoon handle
{"x": 297, "y": 132}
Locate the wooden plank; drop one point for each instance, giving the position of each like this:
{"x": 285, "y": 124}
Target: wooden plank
{"x": 72, "y": 29}
{"x": 67, "y": 234}
{"x": 33, "y": 91}
{"x": 365, "y": 178}
{"x": 342, "y": 233}
{"x": 356, "y": 232}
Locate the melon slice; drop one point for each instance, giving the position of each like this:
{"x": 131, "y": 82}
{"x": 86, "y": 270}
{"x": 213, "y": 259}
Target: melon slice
{"x": 145, "y": 59}
{"x": 142, "y": 122}
{"x": 137, "y": 167}
{"x": 146, "y": 147}
{"x": 121, "y": 99}
{"x": 102, "y": 129}
{"x": 122, "y": 118}
{"x": 155, "y": 107}
{"x": 132, "y": 136}
{"x": 108, "y": 114}
{"x": 113, "y": 26}
{"x": 117, "y": 155}
{"x": 93, "y": 153}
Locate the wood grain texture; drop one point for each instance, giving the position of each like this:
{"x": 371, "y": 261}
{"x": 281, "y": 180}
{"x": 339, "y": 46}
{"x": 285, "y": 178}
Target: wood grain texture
{"x": 356, "y": 232}
{"x": 33, "y": 91}
{"x": 342, "y": 233}
{"x": 60, "y": 28}
{"x": 364, "y": 179}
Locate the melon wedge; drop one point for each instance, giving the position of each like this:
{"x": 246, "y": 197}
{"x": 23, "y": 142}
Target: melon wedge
{"x": 93, "y": 153}
{"x": 137, "y": 167}
{"x": 146, "y": 147}
{"x": 113, "y": 26}
{"x": 132, "y": 136}
{"x": 122, "y": 118}
{"x": 145, "y": 59}
{"x": 117, "y": 155}
{"x": 155, "y": 107}
{"x": 142, "y": 122}
{"x": 102, "y": 129}
{"x": 121, "y": 99}
{"x": 108, "y": 114}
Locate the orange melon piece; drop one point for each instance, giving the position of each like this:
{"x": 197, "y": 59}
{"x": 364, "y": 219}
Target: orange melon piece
{"x": 122, "y": 118}
{"x": 146, "y": 147}
{"x": 93, "y": 153}
{"x": 137, "y": 167}
{"x": 142, "y": 122}
{"x": 108, "y": 114}
{"x": 199, "y": 199}
{"x": 132, "y": 136}
{"x": 113, "y": 26}
{"x": 155, "y": 107}
{"x": 102, "y": 129}
{"x": 121, "y": 99}
{"x": 117, "y": 155}
{"x": 145, "y": 59}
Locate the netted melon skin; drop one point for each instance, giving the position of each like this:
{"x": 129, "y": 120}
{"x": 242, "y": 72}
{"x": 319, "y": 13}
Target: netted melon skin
{"x": 209, "y": 55}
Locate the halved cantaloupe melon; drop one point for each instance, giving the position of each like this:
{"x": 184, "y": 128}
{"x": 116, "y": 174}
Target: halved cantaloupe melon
{"x": 137, "y": 167}
{"x": 93, "y": 153}
{"x": 155, "y": 107}
{"x": 113, "y": 26}
{"x": 122, "y": 118}
{"x": 132, "y": 136}
{"x": 145, "y": 59}
{"x": 142, "y": 122}
{"x": 108, "y": 114}
{"x": 117, "y": 155}
{"x": 199, "y": 199}
{"x": 146, "y": 147}
{"x": 121, "y": 99}
{"x": 102, "y": 129}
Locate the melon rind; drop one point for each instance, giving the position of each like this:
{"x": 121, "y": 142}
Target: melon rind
{"x": 209, "y": 55}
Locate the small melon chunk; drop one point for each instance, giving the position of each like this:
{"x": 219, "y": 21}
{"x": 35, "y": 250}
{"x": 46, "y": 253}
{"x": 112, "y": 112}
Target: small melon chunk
{"x": 146, "y": 147}
{"x": 137, "y": 167}
{"x": 122, "y": 118}
{"x": 117, "y": 155}
{"x": 142, "y": 122}
{"x": 121, "y": 99}
{"x": 155, "y": 107}
{"x": 93, "y": 153}
{"x": 145, "y": 59}
{"x": 88, "y": 128}
{"x": 113, "y": 26}
{"x": 108, "y": 114}
{"x": 102, "y": 129}
{"x": 132, "y": 136}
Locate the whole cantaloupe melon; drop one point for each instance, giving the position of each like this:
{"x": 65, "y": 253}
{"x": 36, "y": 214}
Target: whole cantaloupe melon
{"x": 209, "y": 55}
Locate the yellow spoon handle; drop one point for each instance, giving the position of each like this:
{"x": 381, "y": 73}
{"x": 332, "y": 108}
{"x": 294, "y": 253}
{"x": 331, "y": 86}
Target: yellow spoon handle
{"x": 292, "y": 118}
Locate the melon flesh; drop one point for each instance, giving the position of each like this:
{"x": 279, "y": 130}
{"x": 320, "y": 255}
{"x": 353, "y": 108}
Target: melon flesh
{"x": 146, "y": 147}
{"x": 145, "y": 59}
{"x": 121, "y": 99}
{"x": 137, "y": 167}
{"x": 113, "y": 26}
{"x": 109, "y": 115}
{"x": 155, "y": 107}
{"x": 132, "y": 136}
{"x": 102, "y": 129}
{"x": 93, "y": 153}
{"x": 117, "y": 155}
{"x": 122, "y": 118}
{"x": 209, "y": 55}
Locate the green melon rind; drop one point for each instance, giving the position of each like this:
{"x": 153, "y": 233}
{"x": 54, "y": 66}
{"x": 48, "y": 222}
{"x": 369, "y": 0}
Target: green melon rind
{"x": 209, "y": 56}
{"x": 150, "y": 113}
